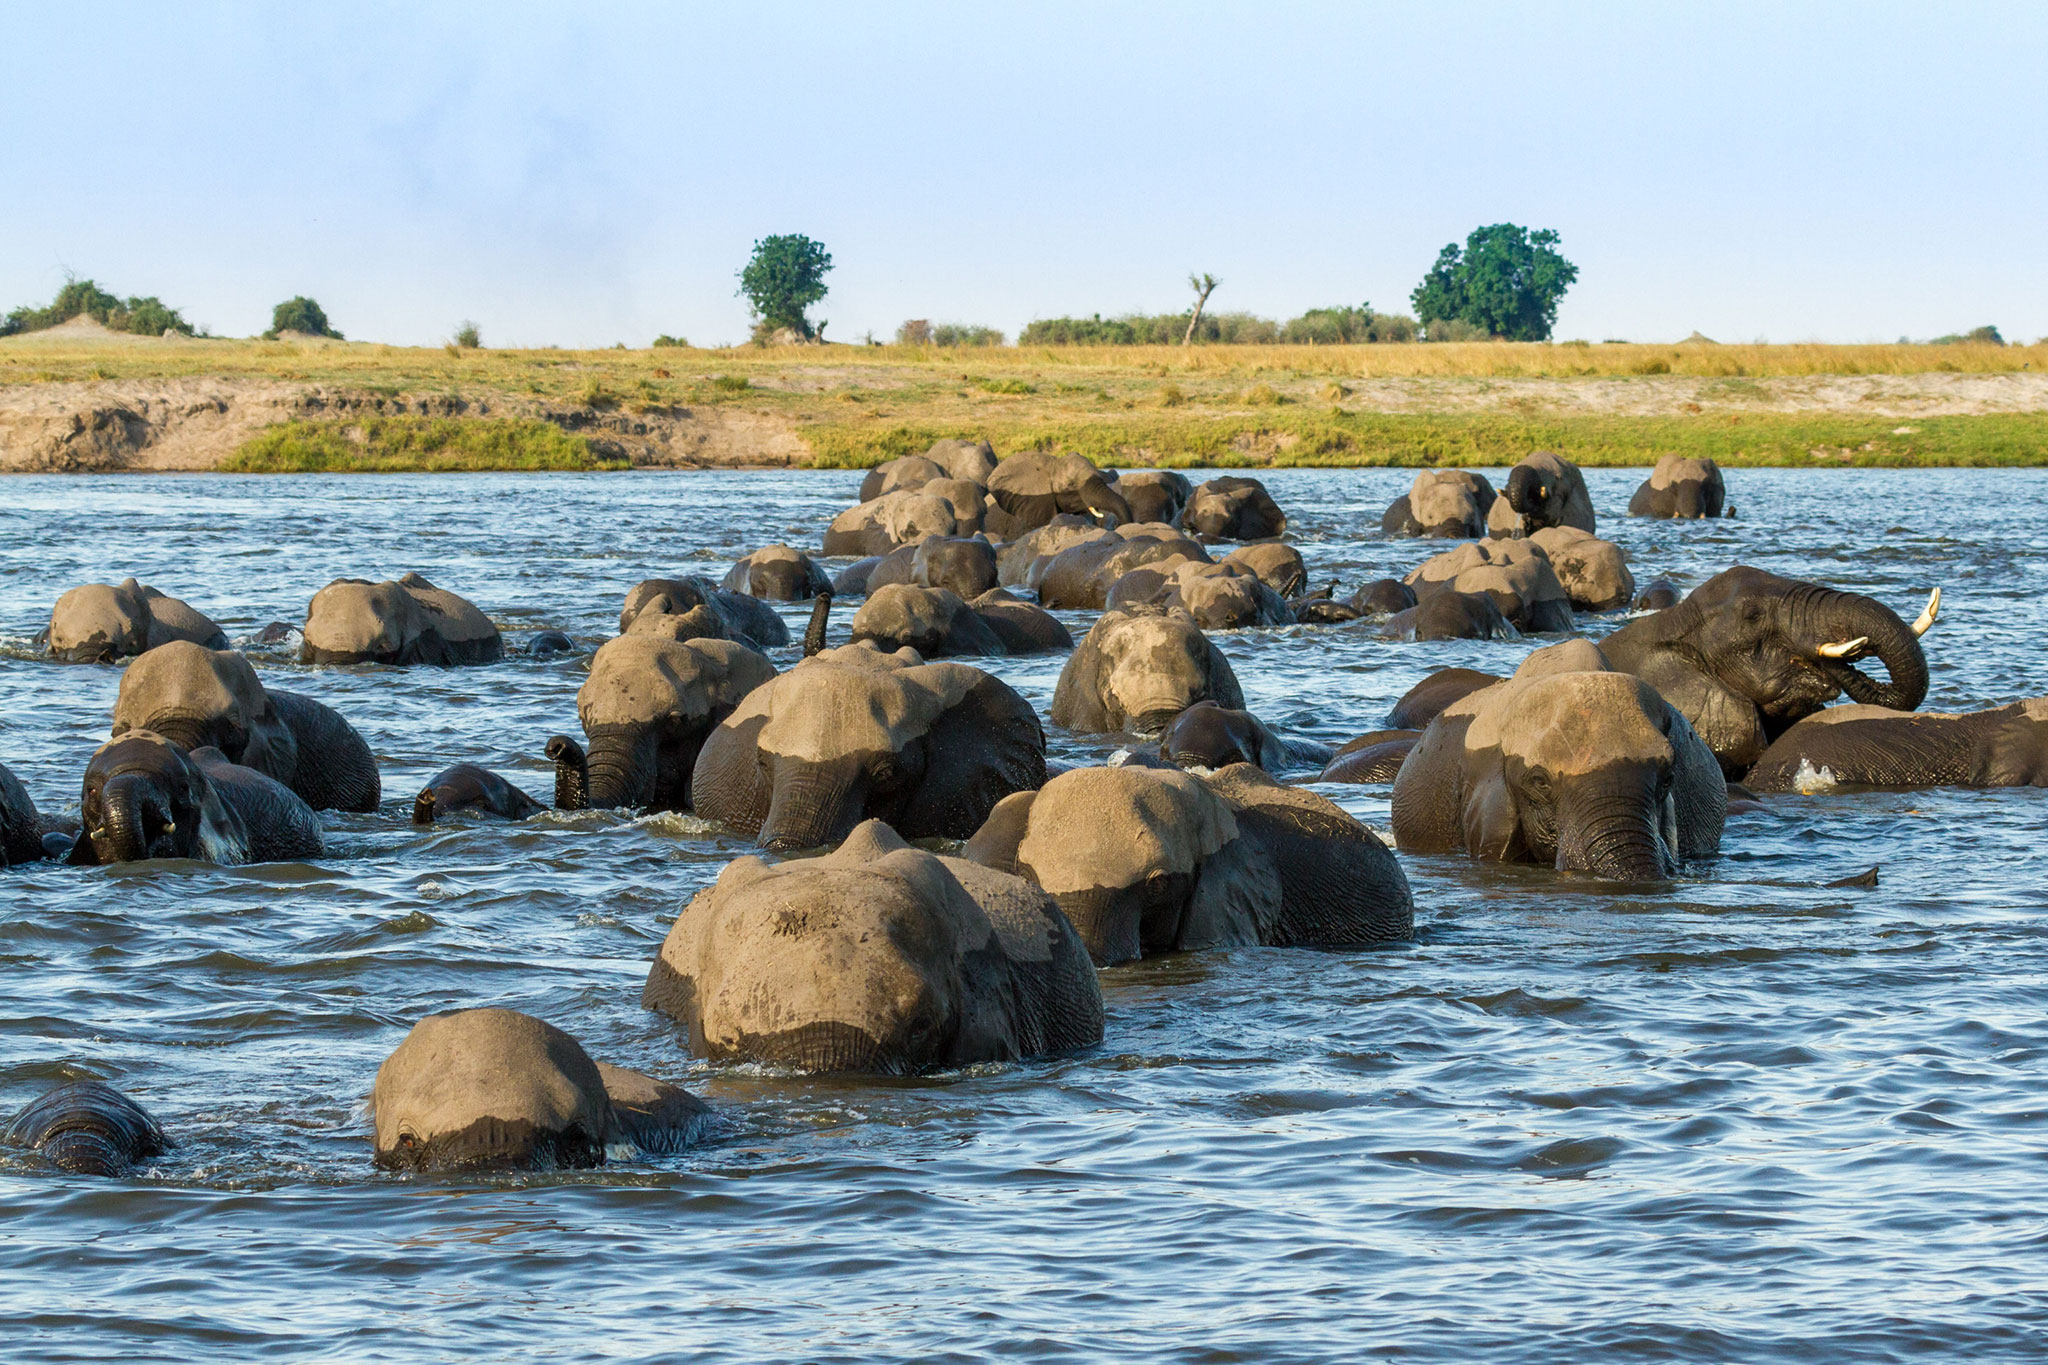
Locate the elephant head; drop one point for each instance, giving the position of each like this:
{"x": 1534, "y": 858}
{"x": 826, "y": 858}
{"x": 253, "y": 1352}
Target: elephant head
{"x": 402, "y": 621}
{"x": 1029, "y": 489}
{"x": 86, "y": 1128}
{"x": 646, "y": 708}
{"x": 1748, "y": 653}
{"x": 1138, "y": 668}
{"x": 1233, "y": 508}
{"x": 144, "y": 797}
{"x": 878, "y": 957}
{"x": 1210, "y": 736}
{"x": 852, "y": 734}
{"x": 778, "y": 573}
{"x": 1543, "y": 490}
{"x": 1155, "y": 495}
{"x": 1681, "y": 486}
{"x": 1147, "y": 860}
{"x": 1441, "y": 504}
{"x": 692, "y": 609}
{"x": 206, "y": 698}
{"x": 1583, "y": 771}
{"x": 484, "y": 1089}
{"x": 99, "y": 623}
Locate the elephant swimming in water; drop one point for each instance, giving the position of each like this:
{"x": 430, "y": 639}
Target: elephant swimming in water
{"x": 26, "y": 834}
{"x": 692, "y": 609}
{"x": 1145, "y": 860}
{"x": 199, "y": 698}
{"x": 86, "y": 1128}
{"x": 407, "y": 621}
{"x": 493, "y": 1089}
{"x": 1138, "y": 668}
{"x": 99, "y": 623}
{"x": 1875, "y": 746}
{"x": 852, "y": 734}
{"x": 1441, "y": 504}
{"x": 1681, "y": 486}
{"x": 465, "y": 786}
{"x": 1543, "y": 490}
{"x": 878, "y": 957}
{"x": 145, "y": 797}
{"x": 1233, "y": 508}
{"x": 1563, "y": 765}
{"x": 1748, "y": 654}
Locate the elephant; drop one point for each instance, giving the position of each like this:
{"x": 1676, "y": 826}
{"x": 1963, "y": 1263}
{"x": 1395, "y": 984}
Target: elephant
{"x": 198, "y": 697}
{"x": 1543, "y": 490}
{"x": 1587, "y": 771}
{"x": 852, "y": 581}
{"x": 1748, "y": 653}
{"x": 99, "y": 624}
{"x": 777, "y": 573}
{"x": 1145, "y": 860}
{"x": 1425, "y": 701}
{"x": 1277, "y": 565}
{"x": 964, "y": 564}
{"x": 1442, "y": 504}
{"x": 933, "y": 621}
{"x": 410, "y": 621}
{"x": 970, "y": 461}
{"x": 1383, "y": 597}
{"x": 26, "y": 834}
{"x": 1155, "y": 495}
{"x": 646, "y": 710}
{"x": 145, "y": 797}
{"x": 1375, "y": 756}
{"x": 1659, "y": 594}
{"x": 943, "y": 507}
{"x": 1873, "y": 746}
{"x": 1448, "y": 614}
{"x": 1233, "y": 508}
{"x": 1210, "y": 736}
{"x": 698, "y": 611}
{"x": 909, "y": 473}
{"x": 1138, "y": 668}
{"x": 1593, "y": 572}
{"x": 494, "y": 1089}
{"x": 1222, "y": 596}
{"x": 1079, "y": 577}
{"x": 1029, "y": 489}
{"x": 548, "y": 643}
{"x": 87, "y": 1128}
{"x": 466, "y": 786}
{"x": 1023, "y": 627}
{"x": 854, "y": 733}
{"x": 1017, "y": 561}
{"x": 1681, "y": 486}
{"x": 1514, "y": 573}
{"x": 876, "y": 958}
{"x": 1322, "y": 608}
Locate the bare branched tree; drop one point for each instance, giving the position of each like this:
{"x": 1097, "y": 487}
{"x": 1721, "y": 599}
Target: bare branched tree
{"x": 1203, "y": 285}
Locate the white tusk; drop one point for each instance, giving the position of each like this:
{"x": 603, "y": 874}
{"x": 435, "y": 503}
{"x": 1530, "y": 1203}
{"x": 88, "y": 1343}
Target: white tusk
{"x": 1844, "y": 649}
{"x": 1927, "y": 617}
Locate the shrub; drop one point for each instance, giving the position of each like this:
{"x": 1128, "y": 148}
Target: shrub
{"x": 142, "y": 316}
{"x": 1345, "y": 324}
{"x": 383, "y": 444}
{"x": 1262, "y": 395}
{"x": 466, "y": 336}
{"x": 1004, "y": 386}
{"x": 1170, "y": 396}
{"x": 914, "y": 332}
{"x": 666, "y": 340}
{"x": 1455, "y": 329}
{"x": 731, "y": 383}
{"x": 1976, "y": 336}
{"x": 961, "y": 334}
{"x": 300, "y": 314}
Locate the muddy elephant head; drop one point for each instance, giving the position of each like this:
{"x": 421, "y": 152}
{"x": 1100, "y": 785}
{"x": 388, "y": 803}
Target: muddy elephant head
{"x": 1544, "y": 490}
{"x": 144, "y": 797}
{"x": 1138, "y": 668}
{"x": 1146, "y": 860}
{"x": 1233, "y": 508}
{"x": 1583, "y": 771}
{"x": 1029, "y": 489}
{"x": 1681, "y": 486}
{"x": 99, "y": 623}
{"x": 878, "y": 957}
{"x": 1441, "y": 504}
{"x": 853, "y": 734}
{"x": 646, "y": 708}
{"x": 486, "y": 1089}
{"x": 1748, "y": 653}
{"x": 199, "y": 698}
{"x": 1210, "y": 736}
{"x": 691, "y": 608}
{"x": 777, "y": 573}
{"x": 402, "y": 621}
{"x": 1155, "y": 495}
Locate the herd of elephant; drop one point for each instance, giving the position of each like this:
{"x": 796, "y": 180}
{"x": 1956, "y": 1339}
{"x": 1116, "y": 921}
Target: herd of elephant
{"x": 1620, "y": 760}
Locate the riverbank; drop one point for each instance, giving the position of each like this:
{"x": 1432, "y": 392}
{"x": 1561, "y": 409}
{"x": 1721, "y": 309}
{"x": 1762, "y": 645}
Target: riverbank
{"x": 143, "y": 405}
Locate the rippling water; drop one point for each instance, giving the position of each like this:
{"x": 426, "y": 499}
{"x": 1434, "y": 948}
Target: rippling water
{"x": 1747, "y": 1117}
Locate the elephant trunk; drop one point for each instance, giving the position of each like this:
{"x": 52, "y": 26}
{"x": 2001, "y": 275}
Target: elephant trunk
{"x": 1847, "y": 616}
{"x": 572, "y": 773}
{"x": 1615, "y": 824}
{"x": 814, "y": 804}
{"x": 814, "y": 634}
{"x": 620, "y": 769}
{"x": 131, "y": 817}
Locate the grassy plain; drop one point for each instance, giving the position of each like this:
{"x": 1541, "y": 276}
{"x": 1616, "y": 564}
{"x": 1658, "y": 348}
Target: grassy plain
{"x": 1394, "y": 404}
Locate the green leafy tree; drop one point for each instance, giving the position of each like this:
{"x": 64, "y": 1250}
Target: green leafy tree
{"x": 785, "y": 276}
{"x": 300, "y": 314}
{"x": 1506, "y": 280}
{"x": 143, "y": 316}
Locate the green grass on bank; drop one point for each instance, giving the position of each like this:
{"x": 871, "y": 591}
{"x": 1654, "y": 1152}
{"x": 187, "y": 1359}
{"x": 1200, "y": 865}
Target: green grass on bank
{"x": 1328, "y": 438}
{"x": 382, "y": 445}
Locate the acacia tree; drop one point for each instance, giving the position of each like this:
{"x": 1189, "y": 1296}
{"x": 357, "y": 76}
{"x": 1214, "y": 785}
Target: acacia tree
{"x": 1204, "y": 286}
{"x": 785, "y": 276}
{"x": 1507, "y": 280}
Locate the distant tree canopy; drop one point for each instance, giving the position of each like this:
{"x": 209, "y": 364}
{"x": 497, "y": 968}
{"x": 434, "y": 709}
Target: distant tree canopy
{"x": 921, "y": 332}
{"x": 1317, "y": 327}
{"x": 1506, "y": 280}
{"x": 1344, "y": 325}
{"x": 142, "y": 316}
{"x": 1976, "y": 336}
{"x": 300, "y": 314}
{"x": 785, "y": 276}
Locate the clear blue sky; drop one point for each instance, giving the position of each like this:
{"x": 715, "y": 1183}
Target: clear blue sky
{"x": 589, "y": 173}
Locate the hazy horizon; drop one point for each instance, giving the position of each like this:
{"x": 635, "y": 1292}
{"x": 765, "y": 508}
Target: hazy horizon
{"x": 1809, "y": 172}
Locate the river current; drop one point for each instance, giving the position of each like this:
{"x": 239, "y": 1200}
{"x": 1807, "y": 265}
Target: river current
{"x": 1742, "y": 1117}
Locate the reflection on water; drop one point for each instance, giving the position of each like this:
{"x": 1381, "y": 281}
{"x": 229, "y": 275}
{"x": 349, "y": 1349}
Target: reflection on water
{"x": 1749, "y": 1117}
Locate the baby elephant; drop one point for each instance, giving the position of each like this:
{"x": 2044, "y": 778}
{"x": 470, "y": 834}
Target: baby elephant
{"x": 145, "y": 797}
{"x": 879, "y": 957}
{"x": 86, "y": 1128}
{"x": 1146, "y": 860}
{"x": 493, "y": 1089}
{"x": 1584, "y": 771}
{"x": 468, "y": 787}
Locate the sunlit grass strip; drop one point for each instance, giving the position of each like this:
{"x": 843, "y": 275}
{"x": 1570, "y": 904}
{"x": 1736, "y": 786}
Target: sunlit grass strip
{"x": 430, "y": 444}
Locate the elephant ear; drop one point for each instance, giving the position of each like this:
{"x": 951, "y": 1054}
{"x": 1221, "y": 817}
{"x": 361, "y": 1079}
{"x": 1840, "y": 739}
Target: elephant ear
{"x": 981, "y": 749}
{"x": 223, "y": 838}
{"x": 272, "y": 749}
{"x": 727, "y": 783}
{"x": 1699, "y": 792}
{"x": 1728, "y": 723}
{"x": 995, "y": 844}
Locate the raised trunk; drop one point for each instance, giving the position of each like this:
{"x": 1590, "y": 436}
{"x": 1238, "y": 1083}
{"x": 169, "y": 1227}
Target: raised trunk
{"x": 814, "y": 634}
{"x": 814, "y": 804}
{"x": 572, "y": 773}
{"x": 1847, "y": 616}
